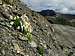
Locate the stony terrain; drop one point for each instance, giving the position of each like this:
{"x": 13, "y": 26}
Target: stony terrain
{"x": 24, "y": 32}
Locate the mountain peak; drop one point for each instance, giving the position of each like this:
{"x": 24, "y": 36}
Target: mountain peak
{"x": 48, "y": 12}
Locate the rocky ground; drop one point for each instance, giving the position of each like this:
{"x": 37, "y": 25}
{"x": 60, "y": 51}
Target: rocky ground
{"x": 37, "y": 37}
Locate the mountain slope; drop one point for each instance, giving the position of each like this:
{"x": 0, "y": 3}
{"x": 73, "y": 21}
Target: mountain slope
{"x": 24, "y": 32}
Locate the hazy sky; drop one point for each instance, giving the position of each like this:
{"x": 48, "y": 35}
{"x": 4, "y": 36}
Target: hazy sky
{"x": 64, "y": 6}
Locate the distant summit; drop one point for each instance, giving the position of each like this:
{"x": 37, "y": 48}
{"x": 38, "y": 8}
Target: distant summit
{"x": 47, "y": 12}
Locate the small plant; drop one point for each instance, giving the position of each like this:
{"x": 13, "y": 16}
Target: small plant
{"x": 40, "y": 50}
{"x": 29, "y": 36}
{"x": 17, "y": 24}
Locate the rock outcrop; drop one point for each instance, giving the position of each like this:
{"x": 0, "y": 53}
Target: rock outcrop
{"x": 24, "y": 32}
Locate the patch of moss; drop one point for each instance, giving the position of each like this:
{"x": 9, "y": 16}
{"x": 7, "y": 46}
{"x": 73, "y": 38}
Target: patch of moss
{"x": 41, "y": 50}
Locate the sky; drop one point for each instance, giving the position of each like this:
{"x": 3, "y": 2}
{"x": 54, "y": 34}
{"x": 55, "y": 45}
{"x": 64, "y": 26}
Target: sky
{"x": 62, "y": 6}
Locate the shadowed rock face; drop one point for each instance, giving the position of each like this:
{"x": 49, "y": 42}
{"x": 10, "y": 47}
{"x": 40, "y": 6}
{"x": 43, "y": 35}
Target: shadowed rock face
{"x": 47, "y": 39}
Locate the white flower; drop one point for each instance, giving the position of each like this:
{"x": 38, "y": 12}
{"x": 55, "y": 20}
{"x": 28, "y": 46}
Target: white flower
{"x": 14, "y": 18}
{"x": 11, "y": 17}
{"x": 18, "y": 27}
{"x": 11, "y": 23}
{"x": 22, "y": 28}
{"x": 17, "y": 16}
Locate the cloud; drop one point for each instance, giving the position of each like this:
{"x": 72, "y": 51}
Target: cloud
{"x": 63, "y": 6}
